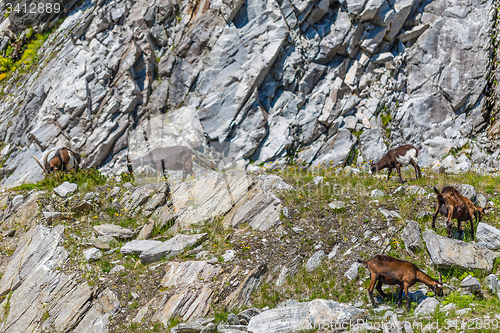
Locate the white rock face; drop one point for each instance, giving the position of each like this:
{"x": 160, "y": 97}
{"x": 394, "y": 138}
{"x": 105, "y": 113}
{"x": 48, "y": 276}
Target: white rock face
{"x": 32, "y": 277}
{"x": 376, "y": 194}
{"x": 352, "y": 272}
{"x": 284, "y": 76}
{"x": 139, "y": 246}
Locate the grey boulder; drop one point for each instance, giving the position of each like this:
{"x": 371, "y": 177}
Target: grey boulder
{"x": 304, "y": 316}
{"x": 446, "y": 253}
{"x": 65, "y": 188}
{"x": 488, "y": 236}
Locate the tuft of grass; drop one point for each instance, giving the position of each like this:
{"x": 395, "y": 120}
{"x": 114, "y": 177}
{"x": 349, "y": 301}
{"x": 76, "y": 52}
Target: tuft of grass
{"x": 87, "y": 178}
{"x": 221, "y": 316}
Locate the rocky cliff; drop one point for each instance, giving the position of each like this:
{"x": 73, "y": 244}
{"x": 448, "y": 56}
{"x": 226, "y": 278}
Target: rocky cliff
{"x": 254, "y": 80}
{"x": 273, "y": 248}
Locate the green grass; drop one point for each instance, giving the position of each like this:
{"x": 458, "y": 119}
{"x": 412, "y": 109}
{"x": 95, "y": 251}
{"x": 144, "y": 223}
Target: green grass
{"x": 87, "y": 178}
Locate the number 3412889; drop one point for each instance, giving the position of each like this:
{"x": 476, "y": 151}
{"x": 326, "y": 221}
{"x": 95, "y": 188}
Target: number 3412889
{"x": 33, "y": 8}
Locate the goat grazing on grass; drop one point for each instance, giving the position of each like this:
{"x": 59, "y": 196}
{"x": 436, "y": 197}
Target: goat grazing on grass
{"x": 397, "y": 158}
{"x": 62, "y": 159}
{"x": 453, "y": 205}
{"x": 171, "y": 158}
{"x": 388, "y": 270}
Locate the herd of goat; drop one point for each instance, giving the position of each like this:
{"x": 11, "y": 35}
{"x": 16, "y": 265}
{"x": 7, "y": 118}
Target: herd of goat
{"x": 383, "y": 269}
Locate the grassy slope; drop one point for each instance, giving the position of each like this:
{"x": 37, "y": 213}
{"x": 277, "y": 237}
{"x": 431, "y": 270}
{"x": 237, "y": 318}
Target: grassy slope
{"x": 352, "y": 229}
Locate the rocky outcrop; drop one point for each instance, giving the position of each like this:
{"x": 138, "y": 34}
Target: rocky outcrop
{"x": 36, "y": 288}
{"x": 446, "y": 253}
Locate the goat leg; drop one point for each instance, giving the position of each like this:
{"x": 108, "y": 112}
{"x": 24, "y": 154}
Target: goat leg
{"x": 471, "y": 228}
{"x": 374, "y": 279}
{"x": 398, "y": 168}
{"x": 435, "y": 216}
{"x": 407, "y": 295}
{"x": 400, "y": 296}
{"x": 389, "y": 174}
{"x": 448, "y": 220}
{"x": 380, "y": 291}
{"x": 418, "y": 173}
{"x": 460, "y": 230}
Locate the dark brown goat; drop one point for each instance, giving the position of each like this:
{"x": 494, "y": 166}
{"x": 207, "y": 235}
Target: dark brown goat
{"x": 453, "y": 205}
{"x": 397, "y": 158}
{"x": 62, "y": 159}
{"x": 388, "y": 270}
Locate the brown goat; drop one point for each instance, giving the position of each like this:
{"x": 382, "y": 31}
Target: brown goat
{"x": 453, "y": 205}
{"x": 397, "y": 158}
{"x": 62, "y": 159}
{"x": 388, "y": 270}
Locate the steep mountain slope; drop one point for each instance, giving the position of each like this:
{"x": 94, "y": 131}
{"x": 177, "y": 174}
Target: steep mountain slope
{"x": 257, "y": 80}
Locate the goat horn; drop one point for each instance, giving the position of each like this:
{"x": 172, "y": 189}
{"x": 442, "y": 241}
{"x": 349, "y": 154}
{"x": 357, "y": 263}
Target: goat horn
{"x": 45, "y": 159}
{"x": 440, "y": 278}
{"x": 40, "y": 164}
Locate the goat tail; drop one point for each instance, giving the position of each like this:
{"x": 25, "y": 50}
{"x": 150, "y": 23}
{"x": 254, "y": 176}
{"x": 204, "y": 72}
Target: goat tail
{"x": 437, "y": 191}
{"x": 361, "y": 261}
{"x": 40, "y": 164}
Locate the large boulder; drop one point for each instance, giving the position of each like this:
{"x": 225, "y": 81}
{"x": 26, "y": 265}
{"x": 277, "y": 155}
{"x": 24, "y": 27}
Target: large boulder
{"x": 488, "y": 236}
{"x": 317, "y": 314}
{"x": 447, "y": 253}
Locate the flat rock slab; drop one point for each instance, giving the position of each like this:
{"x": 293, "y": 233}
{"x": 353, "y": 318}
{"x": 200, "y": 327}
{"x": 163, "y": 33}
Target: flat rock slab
{"x": 139, "y": 246}
{"x": 113, "y": 230}
{"x": 303, "y": 316}
{"x": 188, "y": 273}
{"x": 446, "y": 253}
{"x": 187, "y": 328}
{"x": 65, "y": 188}
{"x": 169, "y": 248}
